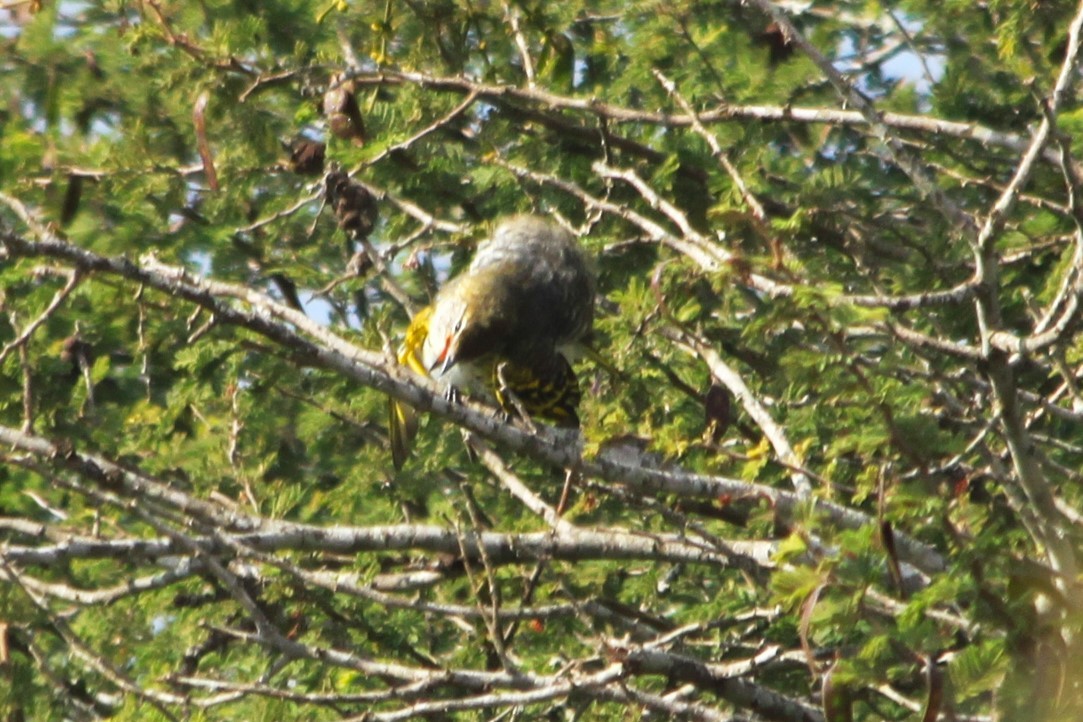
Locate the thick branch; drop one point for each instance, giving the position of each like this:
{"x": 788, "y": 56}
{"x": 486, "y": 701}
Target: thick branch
{"x": 503, "y": 94}
{"x": 331, "y": 351}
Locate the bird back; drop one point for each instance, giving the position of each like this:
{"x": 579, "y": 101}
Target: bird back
{"x": 551, "y": 274}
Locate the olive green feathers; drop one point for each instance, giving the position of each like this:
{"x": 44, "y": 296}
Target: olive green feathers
{"x": 501, "y": 328}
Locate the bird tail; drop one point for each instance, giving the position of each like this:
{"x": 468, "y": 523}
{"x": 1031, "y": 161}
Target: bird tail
{"x": 402, "y": 425}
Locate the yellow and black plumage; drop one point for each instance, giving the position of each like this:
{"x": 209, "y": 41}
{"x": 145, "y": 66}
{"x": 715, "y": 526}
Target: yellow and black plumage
{"x": 503, "y": 327}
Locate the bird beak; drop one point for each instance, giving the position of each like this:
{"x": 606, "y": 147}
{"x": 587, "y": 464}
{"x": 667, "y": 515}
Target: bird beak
{"x": 446, "y": 359}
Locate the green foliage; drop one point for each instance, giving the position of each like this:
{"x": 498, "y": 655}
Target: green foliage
{"x": 749, "y": 216}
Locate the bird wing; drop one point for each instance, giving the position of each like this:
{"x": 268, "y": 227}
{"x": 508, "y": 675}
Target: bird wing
{"x": 402, "y": 420}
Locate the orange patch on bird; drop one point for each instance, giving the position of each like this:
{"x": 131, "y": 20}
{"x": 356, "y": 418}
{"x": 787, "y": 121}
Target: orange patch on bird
{"x": 441, "y": 359}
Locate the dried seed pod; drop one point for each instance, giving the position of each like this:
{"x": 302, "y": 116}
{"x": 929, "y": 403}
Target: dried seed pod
{"x": 341, "y": 110}
{"x": 354, "y": 207}
{"x": 717, "y": 407}
{"x": 307, "y": 156}
{"x": 779, "y": 44}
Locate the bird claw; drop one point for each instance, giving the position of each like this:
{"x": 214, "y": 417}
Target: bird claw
{"x": 510, "y": 404}
{"x": 452, "y": 395}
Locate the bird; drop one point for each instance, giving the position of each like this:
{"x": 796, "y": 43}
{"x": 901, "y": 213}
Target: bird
{"x": 506, "y": 327}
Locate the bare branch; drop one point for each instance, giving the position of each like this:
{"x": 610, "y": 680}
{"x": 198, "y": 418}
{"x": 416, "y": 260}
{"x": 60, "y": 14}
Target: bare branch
{"x": 733, "y": 381}
{"x": 371, "y": 369}
{"x": 935, "y": 127}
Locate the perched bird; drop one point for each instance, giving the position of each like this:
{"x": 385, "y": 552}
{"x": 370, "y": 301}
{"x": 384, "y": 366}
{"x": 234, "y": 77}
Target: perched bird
{"x": 504, "y": 327}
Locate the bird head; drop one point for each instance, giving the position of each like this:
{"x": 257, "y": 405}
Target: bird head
{"x": 471, "y": 319}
